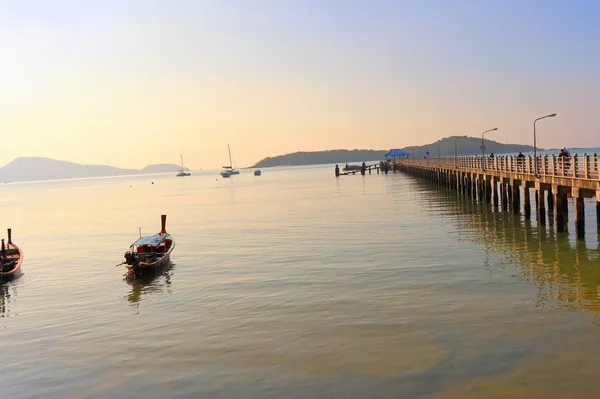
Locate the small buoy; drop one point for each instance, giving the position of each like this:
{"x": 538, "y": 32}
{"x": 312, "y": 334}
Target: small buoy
{"x": 152, "y": 182}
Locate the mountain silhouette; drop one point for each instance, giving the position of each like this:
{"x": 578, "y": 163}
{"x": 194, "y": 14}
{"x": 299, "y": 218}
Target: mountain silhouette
{"x": 37, "y": 168}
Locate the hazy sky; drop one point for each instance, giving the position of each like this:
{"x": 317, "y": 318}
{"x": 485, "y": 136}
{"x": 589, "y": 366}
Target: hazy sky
{"x": 130, "y": 83}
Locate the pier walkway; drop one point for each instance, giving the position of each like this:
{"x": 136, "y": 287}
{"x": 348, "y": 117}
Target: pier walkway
{"x": 497, "y": 180}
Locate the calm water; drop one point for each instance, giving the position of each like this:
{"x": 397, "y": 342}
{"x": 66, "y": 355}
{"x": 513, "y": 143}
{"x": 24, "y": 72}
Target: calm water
{"x": 294, "y": 284}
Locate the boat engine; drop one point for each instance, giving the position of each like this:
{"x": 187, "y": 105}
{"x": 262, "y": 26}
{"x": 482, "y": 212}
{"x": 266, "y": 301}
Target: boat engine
{"x": 130, "y": 258}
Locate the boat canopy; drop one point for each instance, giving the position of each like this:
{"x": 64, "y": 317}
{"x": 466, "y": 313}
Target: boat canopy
{"x": 150, "y": 240}
{"x": 396, "y": 152}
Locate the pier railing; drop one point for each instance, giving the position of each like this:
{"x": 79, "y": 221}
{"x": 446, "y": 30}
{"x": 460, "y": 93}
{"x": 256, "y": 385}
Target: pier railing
{"x": 577, "y": 166}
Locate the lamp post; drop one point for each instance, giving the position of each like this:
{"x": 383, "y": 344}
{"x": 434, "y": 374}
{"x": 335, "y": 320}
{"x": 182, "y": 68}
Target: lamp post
{"x": 455, "y": 148}
{"x": 483, "y": 143}
{"x": 534, "y": 142}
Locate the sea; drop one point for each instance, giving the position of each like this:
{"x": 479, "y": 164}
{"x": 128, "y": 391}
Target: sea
{"x": 294, "y": 284}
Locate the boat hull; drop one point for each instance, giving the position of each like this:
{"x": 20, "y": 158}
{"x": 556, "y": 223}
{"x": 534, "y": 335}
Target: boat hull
{"x": 15, "y": 271}
{"x": 146, "y": 270}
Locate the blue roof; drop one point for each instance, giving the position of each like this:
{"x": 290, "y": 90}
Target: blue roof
{"x": 150, "y": 240}
{"x": 396, "y": 152}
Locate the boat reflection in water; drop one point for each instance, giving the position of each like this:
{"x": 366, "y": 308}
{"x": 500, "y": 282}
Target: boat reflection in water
{"x": 157, "y": 283}
{"x": 7, "y": 294}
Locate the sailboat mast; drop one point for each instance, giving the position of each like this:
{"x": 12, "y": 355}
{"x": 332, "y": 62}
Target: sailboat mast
{"x": 181, "y": 155}
{"x": 229, "y": 151}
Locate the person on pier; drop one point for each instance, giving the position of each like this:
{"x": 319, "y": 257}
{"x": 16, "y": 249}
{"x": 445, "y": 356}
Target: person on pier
{"x": 564, "y": 155}
{"x": 520, "y": 161}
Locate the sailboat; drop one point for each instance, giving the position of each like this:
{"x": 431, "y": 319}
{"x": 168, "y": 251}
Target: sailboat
{"x": 182, "y": 171}
{"x": 229, "y": 170}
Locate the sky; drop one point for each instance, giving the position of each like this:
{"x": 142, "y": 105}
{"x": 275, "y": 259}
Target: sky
{"x": 135, "y": 82}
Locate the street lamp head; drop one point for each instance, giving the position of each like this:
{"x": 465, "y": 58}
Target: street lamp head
{"x": 553, "y": 115}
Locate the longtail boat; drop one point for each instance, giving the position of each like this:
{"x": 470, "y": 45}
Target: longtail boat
{"x": 149, "y": 254}
{"x": 11, "y": 257}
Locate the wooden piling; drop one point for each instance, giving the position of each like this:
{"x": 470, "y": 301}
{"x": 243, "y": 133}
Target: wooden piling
{"x": 468, "y": 187}
{"x": 540, "y": 203}
{"x": 559, "y": 210}
{"x": 550, "y": 202}
{"x": 495, "y": 190}
{"x": 504, "y": 195}
{"x": 541, "y": 207}
{"x": 515, "y": 197}
{"x": 526, "y": 199}
{"x": 579, "y": 213}
{"x": 481, "y": 188}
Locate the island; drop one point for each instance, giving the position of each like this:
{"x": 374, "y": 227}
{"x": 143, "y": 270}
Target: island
{"x": 445, "y": 147}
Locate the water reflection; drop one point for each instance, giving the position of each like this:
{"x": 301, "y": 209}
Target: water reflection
{"x": 158, "y": 283}
{"x": 566, "y": 273}
{"x": 6, "y": 298}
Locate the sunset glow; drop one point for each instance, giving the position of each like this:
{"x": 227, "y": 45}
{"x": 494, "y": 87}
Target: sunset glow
{"x": 131, "y": 83}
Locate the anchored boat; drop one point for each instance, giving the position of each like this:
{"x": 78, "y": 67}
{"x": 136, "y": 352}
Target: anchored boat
{"x": 11, "y": 257}
{"x": 182, "y": 171}
{"x": 229, "y": 170}
{"x": 149, "y": 254}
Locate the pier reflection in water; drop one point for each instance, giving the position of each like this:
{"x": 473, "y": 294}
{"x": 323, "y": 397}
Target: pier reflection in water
{"x": 561, "y": 267}
{"x": 563, "y": 354}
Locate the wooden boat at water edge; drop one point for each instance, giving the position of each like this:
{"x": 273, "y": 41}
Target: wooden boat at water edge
{"x": 11, "y": 257}
{"x": 149, "y": 254}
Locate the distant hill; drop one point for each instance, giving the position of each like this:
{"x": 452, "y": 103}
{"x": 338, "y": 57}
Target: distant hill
{"x": 22, "y": 169}
{"x": 321, "y": 157}
{"x": 33, "y": 168}
{"x": 464, "y": 146}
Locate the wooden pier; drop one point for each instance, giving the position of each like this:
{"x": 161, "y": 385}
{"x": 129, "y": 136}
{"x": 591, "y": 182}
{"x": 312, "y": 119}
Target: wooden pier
{"x": 362, "y": 170}
{"x": 497, "y": 181}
